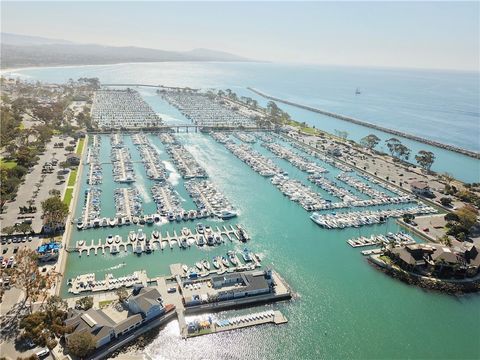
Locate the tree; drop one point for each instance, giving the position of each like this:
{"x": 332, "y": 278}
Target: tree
{"x": 81, "y": 344}
{"x": 467, "y": 216}
{"x": 24, "y": 228}
{"x": 370, "y": 141}
{"x": 8, "y": 230}
{"x": 445, "y": 240}
{"x": 392, "y": 144}
{"x": 84, "y": 303}
{"x": 446, "y": 201}
{"x": 54, "y": 192}
{"x": 27, "y": 277}
{"x": 448, "y": 178}
{"x": 43, "y": 326}
{"x": 122, "y": 294}
{"x": 55, "y": 211}
{"x": 425, "y": 159}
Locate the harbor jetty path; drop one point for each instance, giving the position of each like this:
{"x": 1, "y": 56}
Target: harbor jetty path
{"x": 473, "y": 154}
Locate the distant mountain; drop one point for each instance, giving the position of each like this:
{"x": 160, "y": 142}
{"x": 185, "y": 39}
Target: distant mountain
{"x": 22, "y": 51}
{"x": 22, "y": 40}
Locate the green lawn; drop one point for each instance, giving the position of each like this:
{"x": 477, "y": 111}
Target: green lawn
{"x": 80, "y": 146}
{"x": 67, "y": 199}
{"x": 72, "y": 177}
{"x": 7, "y": 164}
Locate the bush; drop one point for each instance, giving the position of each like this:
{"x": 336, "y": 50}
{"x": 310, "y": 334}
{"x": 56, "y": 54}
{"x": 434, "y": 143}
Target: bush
{"x": 84, "y": 303}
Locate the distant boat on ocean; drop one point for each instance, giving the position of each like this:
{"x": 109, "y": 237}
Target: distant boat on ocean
{"x": 357, "y": 91}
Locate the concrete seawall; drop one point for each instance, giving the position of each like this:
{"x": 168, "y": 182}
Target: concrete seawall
{"x": 473, "y": 154}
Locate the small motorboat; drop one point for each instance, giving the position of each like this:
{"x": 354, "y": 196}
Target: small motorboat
{"x": 200, "y": 228}
{"x": 185, "y": 231}
{"x": 140, "y": 235}
{"x": 206, "y": 264}
{"x": 118, "y": 238}
{"x": 200, "y": 240}
{"x": 215, "y": 262}
{"x": 132, "y": 236}
{"x": 110, "y": 239}
{"x": 225, "y": 262}
{"x": 80, "y": 225}
{"x": 112, "y": 222}
{"x": 199, "y": 266}
{"x": 155, "y": 234}
{"x": 185, "y": 268}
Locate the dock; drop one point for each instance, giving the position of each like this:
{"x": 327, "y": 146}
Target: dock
{"x": 161, "y": 242}
{"x": 199, "y": 328}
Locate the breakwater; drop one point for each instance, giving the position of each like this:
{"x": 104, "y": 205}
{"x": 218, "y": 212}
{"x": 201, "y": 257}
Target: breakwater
{"x": 473, "y": 154}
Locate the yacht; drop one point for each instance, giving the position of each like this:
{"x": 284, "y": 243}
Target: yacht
{"x": 132, "y": 236}
{"x": 200, "y": 228}
{"x": 226, "y": 214}
{"x": 138, "y": 248}
{"x": 80, "y": 225}
{"x": 232, "y": 258}
{"x": 206, "y": 264}
{"x": 112, "y": 222}
{"x": 225, "y": 262}
{"x": 109, "y": 239}
{"x": 149, "y": 219}
{"x": 210, "y": 240}
{"x": 185, "y": 231}
{"x": 200, "y": 240}
{"x": 140, "y": 235}
{"x": 215, "y": 262}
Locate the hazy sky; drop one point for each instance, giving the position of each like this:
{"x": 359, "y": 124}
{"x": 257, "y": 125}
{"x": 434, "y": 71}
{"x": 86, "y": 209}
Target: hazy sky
{"x": 398, "y": 34}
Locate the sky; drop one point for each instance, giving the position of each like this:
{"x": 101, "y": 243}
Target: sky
{"x": 434, "y": 35}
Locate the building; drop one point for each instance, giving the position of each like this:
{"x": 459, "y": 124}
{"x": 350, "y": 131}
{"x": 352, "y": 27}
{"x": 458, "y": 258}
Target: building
{"x": 145, "y": 306}
{"x": 460, "y": 260}
{"x": 421, "y": 188}
{"x": 231, "y": 286}
{"x": 148, "y": 303}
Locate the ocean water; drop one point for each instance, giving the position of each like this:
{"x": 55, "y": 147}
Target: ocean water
{"x": 438, "y": 105}
{"x": 342, "y": 308}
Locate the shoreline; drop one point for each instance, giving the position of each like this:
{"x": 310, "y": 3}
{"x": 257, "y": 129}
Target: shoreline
{"x": 470, "y": 153}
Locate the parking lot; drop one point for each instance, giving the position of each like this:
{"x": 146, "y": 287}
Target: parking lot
{"x": 45, "y": 176}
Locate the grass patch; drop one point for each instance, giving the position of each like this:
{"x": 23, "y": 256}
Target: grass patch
{"x": 104, "y": 303}
{"x": 72, "y": 177}
{"x": 7, "y": 164}
{"x": 67, "y": 199}
{"x": 81, "y": 142}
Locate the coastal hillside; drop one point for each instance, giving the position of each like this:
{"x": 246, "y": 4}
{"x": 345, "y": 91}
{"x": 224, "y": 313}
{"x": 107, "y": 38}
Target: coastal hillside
{"x": 22, "y": 51}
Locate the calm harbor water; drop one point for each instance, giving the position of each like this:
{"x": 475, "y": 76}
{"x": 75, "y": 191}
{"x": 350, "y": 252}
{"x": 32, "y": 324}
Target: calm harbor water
{"x": 343, "y": 308}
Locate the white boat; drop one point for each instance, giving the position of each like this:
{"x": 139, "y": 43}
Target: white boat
{"x": 132, "y": 236}
{"x": 215, "y": 262}
{"x": 185, "y": 231}
{"x": 199, "y": 266}
{"x": 118, "y": 238}
{"x": 185, "y": 268}
{"x": 149, "y": 219}
{"x": 155, "y": 234}
{"x": 140, "y": 235}
{"x": 138, "y": 248}
{"x": 109, "y": 239}
{"x": 226, "y": 214}
{"x": 206, "y": 264}
{"x": 114, "y": 249}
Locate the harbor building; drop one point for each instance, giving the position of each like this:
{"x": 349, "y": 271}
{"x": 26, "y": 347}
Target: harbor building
{"x": 136, "y": 311}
